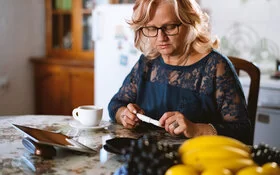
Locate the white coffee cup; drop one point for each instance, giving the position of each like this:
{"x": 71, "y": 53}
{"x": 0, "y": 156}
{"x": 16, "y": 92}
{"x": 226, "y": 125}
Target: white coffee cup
{"x": 88, "y": 115}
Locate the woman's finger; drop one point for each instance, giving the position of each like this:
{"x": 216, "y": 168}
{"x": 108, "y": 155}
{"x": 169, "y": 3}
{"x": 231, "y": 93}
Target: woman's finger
{"x": 182, "y": 127}
{"x": 169, "y": 122}
{"x": 175, "y": 124}
{"x": 173, "y": 121}
{"x": 134, "y": 108}
{"x": 127, "y": 122}
{"x": 171, "y": 128}
{"x": 164, "y": 117}
{"x": 179, "y": 130}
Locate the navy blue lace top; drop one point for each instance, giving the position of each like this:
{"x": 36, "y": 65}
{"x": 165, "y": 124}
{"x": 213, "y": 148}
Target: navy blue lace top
{"x": 208, "y": 91}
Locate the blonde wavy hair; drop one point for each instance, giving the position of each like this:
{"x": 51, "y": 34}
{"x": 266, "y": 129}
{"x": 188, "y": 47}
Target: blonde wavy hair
{"x": 188, "y": 12}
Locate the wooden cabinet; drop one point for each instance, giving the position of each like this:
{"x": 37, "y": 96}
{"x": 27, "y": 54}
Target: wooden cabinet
{"x": 64, "y": 78}
{"x": 68, "y": 29}
{"x": 61, "y": 86}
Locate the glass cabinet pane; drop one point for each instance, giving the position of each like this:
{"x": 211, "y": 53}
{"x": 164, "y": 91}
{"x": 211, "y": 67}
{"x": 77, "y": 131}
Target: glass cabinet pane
{"x": 62, "y": 4}
{"x": 88, "y": 4}
{"x": 61, "y": 30}
{"x": 67, "y": 35}
{"x": 87, "y": 43}
{"x": 55, "y": 32}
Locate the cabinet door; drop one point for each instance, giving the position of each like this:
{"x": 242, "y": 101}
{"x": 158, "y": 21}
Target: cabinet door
{"x": 81, "y": 87}
{"x": 59, "y": 28}
{"x": 68, "y": 28}
{"x": 50, "y": 89}
{"x": 84, "y": 38}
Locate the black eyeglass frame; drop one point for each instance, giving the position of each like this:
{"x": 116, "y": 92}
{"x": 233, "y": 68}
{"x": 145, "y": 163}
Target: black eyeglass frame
{"x": 163, "y": 29}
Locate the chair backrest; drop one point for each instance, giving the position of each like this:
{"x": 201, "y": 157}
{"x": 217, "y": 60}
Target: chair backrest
{"x": 252, "y": 99}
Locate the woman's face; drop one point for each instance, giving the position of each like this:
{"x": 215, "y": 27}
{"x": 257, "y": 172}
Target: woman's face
{"x": 166, "y": 45}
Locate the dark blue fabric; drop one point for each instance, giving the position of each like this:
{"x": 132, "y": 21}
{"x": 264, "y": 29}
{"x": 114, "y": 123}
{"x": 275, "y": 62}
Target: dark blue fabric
{"x": 208, "y": 91}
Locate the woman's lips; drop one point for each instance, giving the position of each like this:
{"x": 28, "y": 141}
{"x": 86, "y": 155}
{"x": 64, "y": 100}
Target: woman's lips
{"x": 163, "y": 46}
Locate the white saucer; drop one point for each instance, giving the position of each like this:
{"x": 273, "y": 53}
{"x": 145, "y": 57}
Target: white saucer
{"x": 78, "y": 125}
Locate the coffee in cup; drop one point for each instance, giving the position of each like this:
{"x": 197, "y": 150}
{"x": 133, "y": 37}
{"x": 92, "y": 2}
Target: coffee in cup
{"x": 88, "y": 115}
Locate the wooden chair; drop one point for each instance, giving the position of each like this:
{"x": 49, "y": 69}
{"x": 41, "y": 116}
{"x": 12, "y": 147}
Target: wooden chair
{"x": 252, "y": 99}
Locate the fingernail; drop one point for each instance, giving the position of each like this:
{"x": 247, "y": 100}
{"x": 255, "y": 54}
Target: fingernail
{"x": 134, "y": 111}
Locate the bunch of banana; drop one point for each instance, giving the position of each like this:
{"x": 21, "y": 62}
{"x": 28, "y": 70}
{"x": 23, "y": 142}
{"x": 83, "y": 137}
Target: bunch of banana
{"x": 270, "y": 168}
{"x": 207, "y": 152}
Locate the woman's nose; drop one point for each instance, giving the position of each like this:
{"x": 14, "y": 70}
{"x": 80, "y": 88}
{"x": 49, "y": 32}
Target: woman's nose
{"x": 162, "y": 35}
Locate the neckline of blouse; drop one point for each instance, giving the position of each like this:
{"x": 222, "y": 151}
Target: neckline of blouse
{"x": 194, "y": 65}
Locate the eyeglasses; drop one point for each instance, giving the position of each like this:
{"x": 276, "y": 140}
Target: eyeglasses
{"x": 168, "y": 29}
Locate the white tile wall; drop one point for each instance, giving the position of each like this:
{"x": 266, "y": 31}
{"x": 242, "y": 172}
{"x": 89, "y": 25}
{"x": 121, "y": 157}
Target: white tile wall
{"x": 250, "y": 29}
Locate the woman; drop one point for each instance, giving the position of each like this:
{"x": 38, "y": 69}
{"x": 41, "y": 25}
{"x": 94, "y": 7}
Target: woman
{"x": 180, "y": 80}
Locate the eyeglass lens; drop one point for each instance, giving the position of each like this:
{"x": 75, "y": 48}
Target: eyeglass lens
{"x": 169, "y": 29}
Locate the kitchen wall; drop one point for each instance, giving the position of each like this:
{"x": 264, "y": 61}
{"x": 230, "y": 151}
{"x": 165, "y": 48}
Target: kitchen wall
{"x": 22, "y": 35}
{"x": 247, "y": 28}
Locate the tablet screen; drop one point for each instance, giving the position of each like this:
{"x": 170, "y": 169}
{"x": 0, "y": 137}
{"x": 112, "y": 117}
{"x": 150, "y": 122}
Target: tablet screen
{"x": 54, "y": 139}
{"x": 43, "y": 136}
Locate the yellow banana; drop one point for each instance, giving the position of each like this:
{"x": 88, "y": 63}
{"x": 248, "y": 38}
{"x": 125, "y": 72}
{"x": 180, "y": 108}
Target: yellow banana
{"x": 217, "y": 153}
{"x": 251, "y": 170}
{"x": 217, "y": 171}
{"x": 233, "y": 165}
{"x": 271, "y": 168}
{"x": 181, "y": 169}
{"x": 211, "y": 140}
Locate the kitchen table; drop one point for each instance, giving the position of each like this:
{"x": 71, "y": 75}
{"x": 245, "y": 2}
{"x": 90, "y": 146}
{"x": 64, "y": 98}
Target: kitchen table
{"x": 15, "y": 159}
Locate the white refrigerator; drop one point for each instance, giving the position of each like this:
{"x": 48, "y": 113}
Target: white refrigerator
{"x": 114, "y": 51}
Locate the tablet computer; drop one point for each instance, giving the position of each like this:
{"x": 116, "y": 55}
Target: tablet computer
{"x": 53, "y": 139}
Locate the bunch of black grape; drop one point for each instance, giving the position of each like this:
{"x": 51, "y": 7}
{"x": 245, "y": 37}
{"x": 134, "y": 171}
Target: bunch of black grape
{"x": 147, "y": 157}
{"x": 263, "y": 153}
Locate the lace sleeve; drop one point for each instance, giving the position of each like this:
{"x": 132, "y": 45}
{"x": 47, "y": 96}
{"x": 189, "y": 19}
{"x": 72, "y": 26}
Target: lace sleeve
{"x": 231, "y": 103}
{"x": 128, "y": 91}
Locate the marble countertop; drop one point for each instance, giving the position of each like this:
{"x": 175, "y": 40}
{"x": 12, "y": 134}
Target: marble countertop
{"x": 15, "y": 158}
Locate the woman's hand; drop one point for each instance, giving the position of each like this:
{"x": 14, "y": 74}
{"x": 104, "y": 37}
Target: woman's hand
{"x": 175, "y": 123}
{"x": 127, "y": 115}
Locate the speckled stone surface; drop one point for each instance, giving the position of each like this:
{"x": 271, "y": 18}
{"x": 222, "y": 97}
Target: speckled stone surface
{"x": 15, "y": 159}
